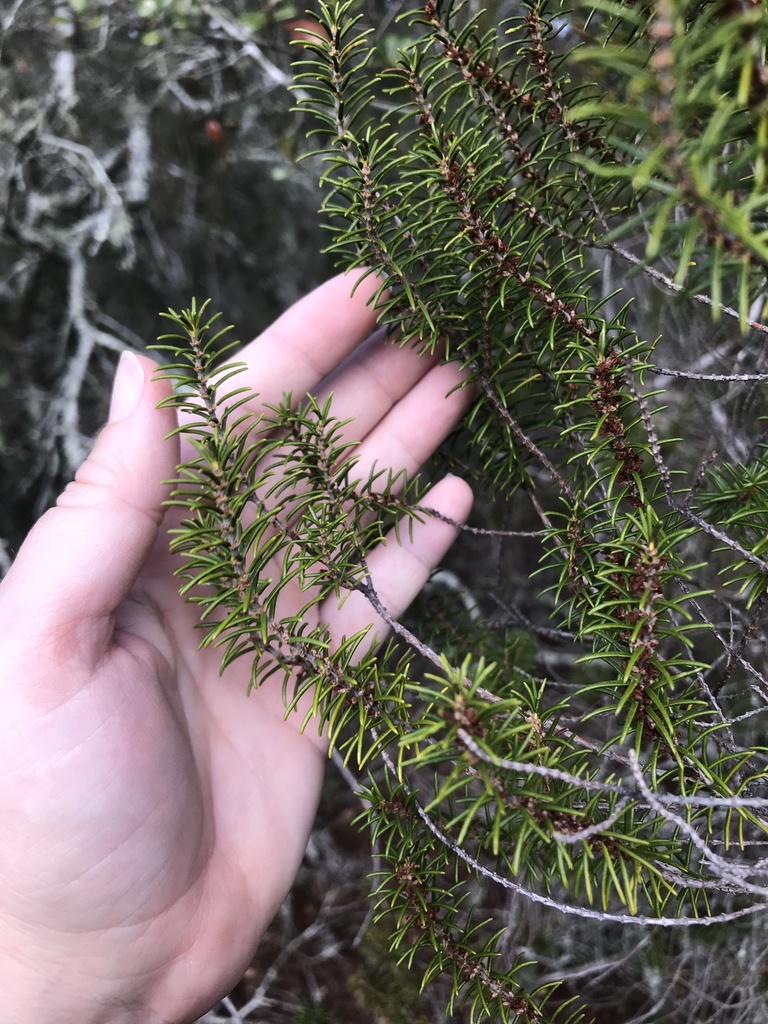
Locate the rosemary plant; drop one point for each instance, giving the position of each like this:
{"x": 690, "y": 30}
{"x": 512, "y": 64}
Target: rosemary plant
{"x": 575, "y": 724}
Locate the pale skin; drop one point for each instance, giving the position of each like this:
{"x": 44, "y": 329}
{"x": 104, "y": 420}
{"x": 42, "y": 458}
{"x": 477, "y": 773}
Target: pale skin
{"x": 154, "y": 815}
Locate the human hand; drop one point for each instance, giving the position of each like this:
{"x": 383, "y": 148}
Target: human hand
{"x": 154, "y": 814}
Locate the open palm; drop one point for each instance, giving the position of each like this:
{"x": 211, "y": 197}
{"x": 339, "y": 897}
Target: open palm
{"x": 154, "y": 814}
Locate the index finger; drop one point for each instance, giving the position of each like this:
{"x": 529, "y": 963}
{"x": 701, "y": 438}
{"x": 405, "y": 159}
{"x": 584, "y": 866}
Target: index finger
{"x": 310, "y": 339}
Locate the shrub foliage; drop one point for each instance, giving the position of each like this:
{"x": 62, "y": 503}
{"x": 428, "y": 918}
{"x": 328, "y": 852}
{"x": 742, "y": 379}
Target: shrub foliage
{"x": 577, "y": 723}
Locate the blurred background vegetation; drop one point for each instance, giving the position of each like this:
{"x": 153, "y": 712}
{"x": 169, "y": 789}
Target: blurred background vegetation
{"x": 147, "y": 154}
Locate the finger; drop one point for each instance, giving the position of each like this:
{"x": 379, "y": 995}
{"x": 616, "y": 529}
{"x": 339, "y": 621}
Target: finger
{"x": 372, "y": 380}
{"x": 301, "y": 347}
{"x": 416, "y": 425}
{"x": 363, "y": 391}
{"x": 310, "y": 339}
{"x": 400, "y": 442}
{"x": 82, "y": 558}
{"x": 400, "y": 566}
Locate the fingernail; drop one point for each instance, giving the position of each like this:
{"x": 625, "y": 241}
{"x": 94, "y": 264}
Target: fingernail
{"x": 127, "y": 388}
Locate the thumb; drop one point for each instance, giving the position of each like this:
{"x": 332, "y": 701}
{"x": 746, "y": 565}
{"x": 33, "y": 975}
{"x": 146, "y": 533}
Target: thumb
{"x": 81, "y": 559}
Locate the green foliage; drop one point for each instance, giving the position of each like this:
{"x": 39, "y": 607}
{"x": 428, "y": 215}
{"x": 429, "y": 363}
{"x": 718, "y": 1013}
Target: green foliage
{"x": 690, "y": 130}
{"x": 483, "y": 177}
{"x": 313, "y": 1013}
{"x": 380, "y": 985}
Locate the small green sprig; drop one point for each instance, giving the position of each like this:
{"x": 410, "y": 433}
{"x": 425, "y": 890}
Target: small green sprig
{"x": 270, "y": 499}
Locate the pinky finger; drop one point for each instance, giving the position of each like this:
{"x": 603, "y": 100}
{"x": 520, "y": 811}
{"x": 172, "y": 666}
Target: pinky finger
{"x": 401, "y": 565}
